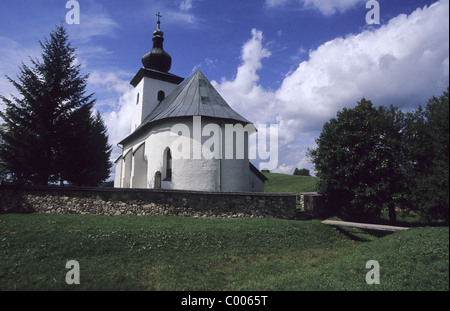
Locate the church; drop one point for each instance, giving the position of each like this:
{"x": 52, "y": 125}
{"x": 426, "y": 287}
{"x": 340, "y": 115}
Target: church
{"x": 184, "y": 135}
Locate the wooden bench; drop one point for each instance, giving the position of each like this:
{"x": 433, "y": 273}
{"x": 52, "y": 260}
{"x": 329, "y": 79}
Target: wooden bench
{"x": 363, "y": 225}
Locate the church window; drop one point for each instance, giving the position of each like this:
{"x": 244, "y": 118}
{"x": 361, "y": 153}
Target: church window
{"x": 137, "y": 100}
{"x": 161, "y": 95}
{"x": 168, "y": 165}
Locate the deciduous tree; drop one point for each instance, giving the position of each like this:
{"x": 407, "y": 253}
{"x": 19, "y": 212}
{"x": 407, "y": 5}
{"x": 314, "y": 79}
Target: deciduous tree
{"x": 357, "y": 160}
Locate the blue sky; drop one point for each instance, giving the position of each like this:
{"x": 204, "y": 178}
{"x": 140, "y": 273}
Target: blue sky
{"x": 294, "y": 63}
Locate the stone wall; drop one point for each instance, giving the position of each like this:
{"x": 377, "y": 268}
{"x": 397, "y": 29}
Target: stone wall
{"x": 313, "y": 204}
{"x": 113, "y": 201}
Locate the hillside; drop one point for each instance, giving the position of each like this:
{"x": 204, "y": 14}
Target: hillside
{"x": 289, "y": 183}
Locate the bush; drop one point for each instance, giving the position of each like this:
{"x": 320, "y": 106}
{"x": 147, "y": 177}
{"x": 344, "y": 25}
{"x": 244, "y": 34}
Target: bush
{"x": 302, "y": 172}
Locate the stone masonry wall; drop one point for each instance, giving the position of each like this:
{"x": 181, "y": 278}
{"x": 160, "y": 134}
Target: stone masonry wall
{"x": 113, "y": 201}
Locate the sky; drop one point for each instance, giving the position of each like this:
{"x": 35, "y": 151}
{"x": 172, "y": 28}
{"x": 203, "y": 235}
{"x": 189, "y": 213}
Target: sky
{"x": 289, "y": 63}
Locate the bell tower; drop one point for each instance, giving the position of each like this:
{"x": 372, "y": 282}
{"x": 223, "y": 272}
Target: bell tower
{"x": 153, "y": 82}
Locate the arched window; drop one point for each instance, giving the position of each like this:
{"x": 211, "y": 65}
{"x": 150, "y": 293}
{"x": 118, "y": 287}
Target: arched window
{"x": 137, "y": 100}
{"x": 161, "y": 95}
{"x": 167, "y": 165}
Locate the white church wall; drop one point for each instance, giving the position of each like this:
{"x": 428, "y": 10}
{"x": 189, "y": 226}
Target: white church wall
{"x": 196, "y": 170}
{"x": 145, "y": 104}
{"x": 126, "y": 169}
{"x": 139, "y": 170}
{"x": 137, "y": 111}
{"x": 156, "y": 143}
{"x": 201, "y": 175}
{"x": 235, "y": 162}
{"x": 188, "y": 173}
{"x": 118, "y": 175}
{"x": 208, "y": 167}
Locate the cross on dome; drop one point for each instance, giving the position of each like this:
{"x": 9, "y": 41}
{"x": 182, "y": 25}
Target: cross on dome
{"x": 157, "y": 58}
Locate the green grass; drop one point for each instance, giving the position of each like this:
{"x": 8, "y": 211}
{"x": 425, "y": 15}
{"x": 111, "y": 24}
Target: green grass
{"x": 289, "y": 183}
{"x": 177, "y": 253}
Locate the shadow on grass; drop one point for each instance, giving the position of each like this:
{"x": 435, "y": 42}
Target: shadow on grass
{"x": 362, "y": 235}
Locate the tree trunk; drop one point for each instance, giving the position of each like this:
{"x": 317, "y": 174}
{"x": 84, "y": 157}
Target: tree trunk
{"x": 392, "y": 213}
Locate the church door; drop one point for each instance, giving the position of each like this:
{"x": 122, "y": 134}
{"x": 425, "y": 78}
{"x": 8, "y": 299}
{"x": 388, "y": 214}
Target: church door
{"x": 158, "y": 180}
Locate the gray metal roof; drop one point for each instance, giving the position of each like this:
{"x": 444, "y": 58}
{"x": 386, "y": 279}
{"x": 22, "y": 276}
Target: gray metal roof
{"x": 194, "y": 97}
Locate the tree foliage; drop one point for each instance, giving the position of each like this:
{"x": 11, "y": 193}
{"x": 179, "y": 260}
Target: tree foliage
{"x": 428, "y": 143}
{"x": 354, "y": 160}
{"x": 369, "y": 159}
{"x": 49, "y": 130}
{"x": 301, "y": 172}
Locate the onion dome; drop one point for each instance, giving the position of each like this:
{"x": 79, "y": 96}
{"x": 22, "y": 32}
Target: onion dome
{"x": 157, "y": 58}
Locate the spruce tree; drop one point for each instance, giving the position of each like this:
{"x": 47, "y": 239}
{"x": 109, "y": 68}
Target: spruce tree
{"x": 86, "y": 160}
{"x": 49, "y": 130}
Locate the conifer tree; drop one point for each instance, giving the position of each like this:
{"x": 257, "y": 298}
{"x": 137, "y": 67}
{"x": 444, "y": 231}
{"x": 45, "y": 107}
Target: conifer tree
{"x": 49, "y": 128}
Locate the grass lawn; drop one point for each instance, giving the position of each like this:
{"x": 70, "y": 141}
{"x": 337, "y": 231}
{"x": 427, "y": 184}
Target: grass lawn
{"x": 289, "y": 183}
{"x": 177, "y": 253}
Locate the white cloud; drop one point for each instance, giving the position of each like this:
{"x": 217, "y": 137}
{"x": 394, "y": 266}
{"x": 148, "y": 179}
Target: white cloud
{"x": 274, "y": 3}
{"x": 403, "y": 63}
{"x": 244, "y": 93}
{"x": 12, "y": 55}
{"x": 115, "y": 104}
{"x": 326, "y": 7}
{"x": 186, "y": 5}
{"x": 180, "y": 14}
{"x": 109, "y": 81}
{"x": 118, "y": 121}
{"x": 94, "y": 22}
{"x": 181, "y": 17}
{"x": 207, "y": 62}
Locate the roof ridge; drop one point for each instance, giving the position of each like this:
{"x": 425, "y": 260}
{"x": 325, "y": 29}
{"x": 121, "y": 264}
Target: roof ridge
{"x": 187, "y": 100}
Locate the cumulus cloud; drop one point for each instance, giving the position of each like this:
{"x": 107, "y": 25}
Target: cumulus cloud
{"x": 403, "y": 63}
{"x": 116, "y": 104}
{"x": 118, "y": 121}
{"x": 244, "y": 93}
